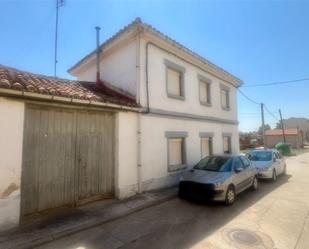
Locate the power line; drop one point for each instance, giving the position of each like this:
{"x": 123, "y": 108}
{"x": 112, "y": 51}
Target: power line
{"x": 277, "y": 82}
{"x": 270, "y": 113}
{"x": 248, "y": 98}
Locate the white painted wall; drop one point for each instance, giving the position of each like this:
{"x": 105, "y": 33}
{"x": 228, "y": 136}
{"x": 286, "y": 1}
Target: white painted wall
{"x": 154, "y": 146}
{"x": 191, "y": 104}
{"x": 118, "y": 68}
{"x": 11, "y": 142}
{"x": 126, "y": 154}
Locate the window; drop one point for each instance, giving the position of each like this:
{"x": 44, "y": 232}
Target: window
{"x": 205, "y": 93}
{"x": 215, "y": 163}
{"x": 238, "y": 164}
{"x": 174, "y": 80}
{"x": 278, "y": 154}
{"x": 259, "y": 156}
{"x": 176, "y": 150}
{"x": 245, "y": 162}
{"x": 206, "y": 143}
{"x": 206, "y": 146}
{"x": 227, "y": 145}
{"x": 225, "y": 97}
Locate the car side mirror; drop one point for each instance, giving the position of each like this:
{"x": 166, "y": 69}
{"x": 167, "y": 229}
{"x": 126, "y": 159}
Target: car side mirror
{"x": 238, "y": 170}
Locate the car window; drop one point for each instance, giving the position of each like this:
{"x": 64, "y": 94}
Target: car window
{"x": 278, "y": 155}
{"x": 238, "y": 163}
{"x": 259, "y": 155}
{"x": 215, "y": 163}
{"x": 245, "y": 161}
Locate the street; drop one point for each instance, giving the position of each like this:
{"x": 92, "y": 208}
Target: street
{"x": 275, "y": 216}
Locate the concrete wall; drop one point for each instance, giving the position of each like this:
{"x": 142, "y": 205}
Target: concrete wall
{"x": 295, "y": 141}
{"x": 126, "y": 154}
{"x": 154, "y": 146}
{"x": 11, "y": 141}
{"x": 118, "y": 68}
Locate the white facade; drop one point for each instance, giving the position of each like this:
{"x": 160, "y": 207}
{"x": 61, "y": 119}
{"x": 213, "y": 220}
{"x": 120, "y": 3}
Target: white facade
{"x": 136, "y": 62}
{"x": 145, "y": 54}
{"x": 11, "y": 140}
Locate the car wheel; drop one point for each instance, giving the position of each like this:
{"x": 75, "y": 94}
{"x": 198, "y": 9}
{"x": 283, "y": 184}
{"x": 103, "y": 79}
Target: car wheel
{"x": 230, "y": 196}
{"x": 254, "y": 184}
{"x": 274, "y": 176}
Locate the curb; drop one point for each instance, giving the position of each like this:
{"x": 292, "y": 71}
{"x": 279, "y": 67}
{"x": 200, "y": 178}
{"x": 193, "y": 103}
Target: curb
{"x": 46, "y": 238}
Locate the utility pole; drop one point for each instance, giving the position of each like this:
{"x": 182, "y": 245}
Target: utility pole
{"x": 282, "y": 126}
{"x": 59, "y": 3}
{"x": 263, "y": 123}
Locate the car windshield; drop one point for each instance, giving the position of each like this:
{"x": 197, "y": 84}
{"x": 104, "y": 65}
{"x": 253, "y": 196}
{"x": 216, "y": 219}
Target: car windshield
{"x": 259, "y": 156}
{"x": 215, "y": 163}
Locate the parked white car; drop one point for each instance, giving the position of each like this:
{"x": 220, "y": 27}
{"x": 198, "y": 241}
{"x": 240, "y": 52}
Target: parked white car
{"x": 268, "y": 162}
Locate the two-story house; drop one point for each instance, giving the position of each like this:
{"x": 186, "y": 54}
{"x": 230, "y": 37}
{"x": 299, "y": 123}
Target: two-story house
{"x": 142, "y": 110}
{"x": 189, "y": 107}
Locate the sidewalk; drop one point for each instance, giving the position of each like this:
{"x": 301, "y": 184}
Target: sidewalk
{"x": 63, "y": 222}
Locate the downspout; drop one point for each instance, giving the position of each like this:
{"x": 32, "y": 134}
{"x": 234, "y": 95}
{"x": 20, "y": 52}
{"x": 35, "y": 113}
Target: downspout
{"x": 139, "y": 118}
{"x": 147, "y": 78}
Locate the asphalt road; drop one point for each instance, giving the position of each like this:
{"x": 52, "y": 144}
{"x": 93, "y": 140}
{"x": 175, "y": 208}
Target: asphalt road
{"x": 275, "y": 216}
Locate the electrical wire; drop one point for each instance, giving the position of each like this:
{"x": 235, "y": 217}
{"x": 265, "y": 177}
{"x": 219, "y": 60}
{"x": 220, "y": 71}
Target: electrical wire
{"x": 277, "y": 83}
{"x": 248, "y": 98}
{"x": 270, "y": 113}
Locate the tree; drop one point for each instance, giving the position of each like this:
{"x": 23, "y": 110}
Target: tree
{"x": 266, "y": 127}
{"x": 279, "y": 125}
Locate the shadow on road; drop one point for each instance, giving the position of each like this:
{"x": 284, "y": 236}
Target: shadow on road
{"x": 207, "y": 217}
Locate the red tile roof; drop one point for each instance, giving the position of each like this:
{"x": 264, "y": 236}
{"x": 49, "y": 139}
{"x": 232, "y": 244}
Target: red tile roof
{"x": 28, "y": 82}
{"x": 278, "y": 132}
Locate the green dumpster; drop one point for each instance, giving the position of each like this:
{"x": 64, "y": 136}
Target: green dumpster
{"x": 284, "y": 148}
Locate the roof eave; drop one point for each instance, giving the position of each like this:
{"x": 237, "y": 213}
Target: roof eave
{"x": 149, "y": 28}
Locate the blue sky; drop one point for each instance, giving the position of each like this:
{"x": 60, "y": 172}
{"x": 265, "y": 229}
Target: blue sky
{"x": 258, "y": 41}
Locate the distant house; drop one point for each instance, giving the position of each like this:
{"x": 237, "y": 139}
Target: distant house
{"x": 293, "y": 137}
{"x": 250, "y": 140}
{"x": 301, "y": 123}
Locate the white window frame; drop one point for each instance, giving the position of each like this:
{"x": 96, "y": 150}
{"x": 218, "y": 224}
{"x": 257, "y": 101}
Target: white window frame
{"x": 205, "y": 81}
{"x": 169, "y": 65}
{"x": 228, "y": 102}
{"x": 229, "y": 136}
{"x": 205, "y": 135}
{"x": 177, "y": 135}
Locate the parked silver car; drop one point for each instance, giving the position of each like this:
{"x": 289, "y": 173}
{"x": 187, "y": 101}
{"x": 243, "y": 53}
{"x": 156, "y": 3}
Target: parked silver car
{"x": 268, "y": 162}
{"x": 219, "y": 178}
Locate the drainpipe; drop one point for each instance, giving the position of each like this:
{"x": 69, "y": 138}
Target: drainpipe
{"x": 139, "y": 118}
{"x": 139, "y": 154}
{"x": 147, "y": 78}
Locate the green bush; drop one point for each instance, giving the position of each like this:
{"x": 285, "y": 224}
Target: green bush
{"x": 284, "y": 148}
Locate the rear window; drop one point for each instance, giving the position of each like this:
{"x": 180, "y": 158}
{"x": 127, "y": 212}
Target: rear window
{"x": 215, "y": 163}
{"x": 259, "y": 156}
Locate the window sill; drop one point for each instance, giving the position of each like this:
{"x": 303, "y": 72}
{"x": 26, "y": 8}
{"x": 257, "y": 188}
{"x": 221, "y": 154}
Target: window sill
{"x": 176, "y": 97}
{"x": 226, "y": 108}
{"x": 205, "y": 104}
{"x": 176, "y": 168}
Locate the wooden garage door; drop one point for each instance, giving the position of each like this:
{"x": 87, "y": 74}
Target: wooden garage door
{"x": 95, "y": 150}
{"x": 67, "y": 157}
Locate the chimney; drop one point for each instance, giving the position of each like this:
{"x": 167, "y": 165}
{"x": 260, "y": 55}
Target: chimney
{"x": 98, "y": 81}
